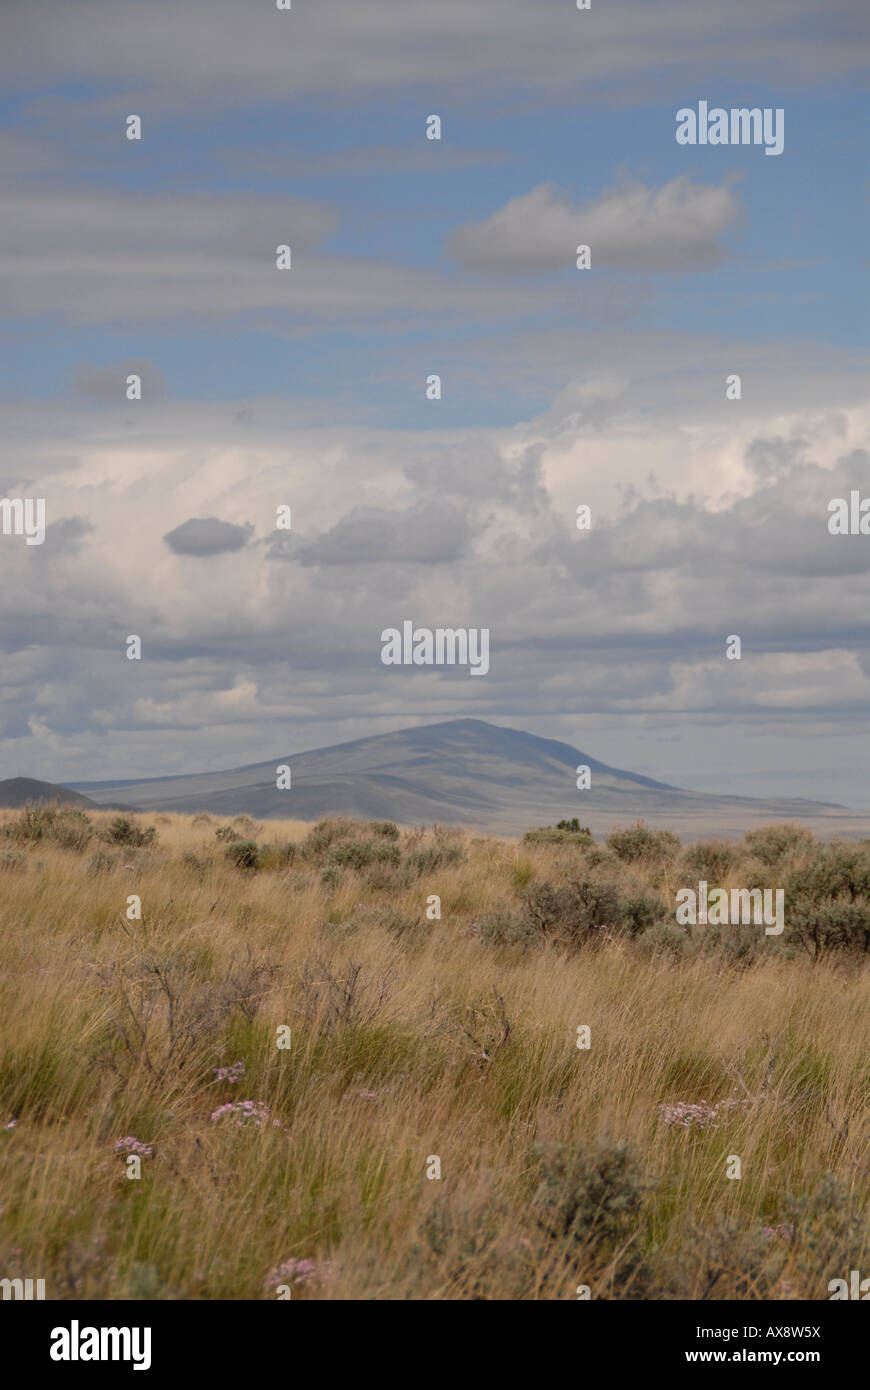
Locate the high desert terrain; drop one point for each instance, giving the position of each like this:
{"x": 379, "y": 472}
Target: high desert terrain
{"x": 245, "y": 1059}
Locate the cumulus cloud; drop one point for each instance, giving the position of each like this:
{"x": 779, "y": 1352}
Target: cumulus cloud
{"x": 626, "y": 623}
{"x": 207, "y": 536}
{"x": 677, "y": 227}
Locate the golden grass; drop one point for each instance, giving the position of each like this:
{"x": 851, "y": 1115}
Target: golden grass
{"x": 363, "y": 1100}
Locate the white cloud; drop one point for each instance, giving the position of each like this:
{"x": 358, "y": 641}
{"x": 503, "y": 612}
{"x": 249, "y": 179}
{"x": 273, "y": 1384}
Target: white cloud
{"x": 677, "y": 227}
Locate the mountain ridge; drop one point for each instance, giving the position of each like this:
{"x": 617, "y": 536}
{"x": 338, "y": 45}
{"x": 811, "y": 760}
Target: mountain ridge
{"x": 19, "y": 791}
{"x": 464, "y": 772}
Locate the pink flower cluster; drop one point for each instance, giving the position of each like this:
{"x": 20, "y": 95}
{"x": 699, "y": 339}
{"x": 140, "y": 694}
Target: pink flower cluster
{"x": 685, "y": 1115}
{"x": 243, "y": 1111}
{"x": 299, "y": 1272}
{"x": 785, "y": 1232}
{"x": 10, "y": 1124}
{"x": 130, "y": 1145}
{"x": 232, "y": 1073}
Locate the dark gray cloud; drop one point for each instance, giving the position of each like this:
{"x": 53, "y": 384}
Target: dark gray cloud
{"x": 64, "y": 537}
{"x": 207, "y": 536}
{"x": 110, "y": 383}
{"x": 477, "y": 471}
{"x": 431, "y": 533}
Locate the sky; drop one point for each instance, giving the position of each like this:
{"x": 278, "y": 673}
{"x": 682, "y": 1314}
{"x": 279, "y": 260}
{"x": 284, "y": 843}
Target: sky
{"x": 307, "y": 388}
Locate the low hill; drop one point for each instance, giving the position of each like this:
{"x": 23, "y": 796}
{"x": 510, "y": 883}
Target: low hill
{"x": 464, "y": 772}
{"x": 18, "y": 791}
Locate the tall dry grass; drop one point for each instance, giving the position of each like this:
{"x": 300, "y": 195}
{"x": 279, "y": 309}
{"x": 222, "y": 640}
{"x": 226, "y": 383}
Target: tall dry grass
{"x": 412, "y": 1039}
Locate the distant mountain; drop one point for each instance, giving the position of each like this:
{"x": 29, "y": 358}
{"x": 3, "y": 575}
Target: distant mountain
{"x": 463, "y": 772}
{"x": 17, "y": 791}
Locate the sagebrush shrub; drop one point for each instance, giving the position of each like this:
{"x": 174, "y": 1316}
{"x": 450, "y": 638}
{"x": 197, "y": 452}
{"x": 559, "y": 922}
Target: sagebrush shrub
{"x": 836, "y": 870}
{"x": 358, "y": 854}
{"x": 425, "y": 861}
{"x": 124, "y": 831}
{"x": 828, "y": 925}
{"x": 712, "y": 860}
{"x": 244, "y": 854}
{"x": 587, "y": 1193}
{"x": 638, "y": 844}
{"x": 561, "y": 834}
{"x": 504, "y": 928}
{"x": 320, "y": 840}
{"x": 573, "y": 912}
{"x": 773, "y": 843}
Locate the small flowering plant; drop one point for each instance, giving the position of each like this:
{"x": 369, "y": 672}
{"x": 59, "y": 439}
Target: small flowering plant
{"x": 300, "y": 1272}
{"x": 700, "y": 1115}
{"x": 246, "y": 1114}
{"x": 782, "y": 1232}
{"x": 233, "y": 1073}
{"x": 130, "y": 1145}
{"x": 251, "y": 1113}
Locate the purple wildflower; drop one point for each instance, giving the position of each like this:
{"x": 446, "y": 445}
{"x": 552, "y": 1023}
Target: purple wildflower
{"x": 130, "y": 1145}
{"x": 702, "y": 1115}
{"x": 243, "y": 1112}
{"x": 303, "y": 1271}
{"x": 232, "y": 1073}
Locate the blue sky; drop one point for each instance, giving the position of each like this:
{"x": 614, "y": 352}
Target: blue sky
{"x": 413, "y": 257}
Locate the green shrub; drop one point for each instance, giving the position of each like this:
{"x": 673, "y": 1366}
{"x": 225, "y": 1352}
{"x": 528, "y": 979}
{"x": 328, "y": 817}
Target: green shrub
{"x": 244, "y": 854}
{"x": 824, "y": 926}
{"x": 124, "y": 831}
{"x": 72, "y": 830}
{"x": 640, "y": 912}
{"x": 385, "y": 828}
{"x": 837, "y": 870}
{"x": 195, "y": 862}
{"x": 638, "y": 844}
{"x": 587, "y": 1194}
{"x": 278, "y": 856}
{"x": 773, "y": 843}
{"x": 572, "y": 913}
{"x": 325, "y": 833}
{"x": 831, "y": 1232}
{"x": 561, "y": 834}
{"x": 712, "y": 860}
{"x": 358, "y": 854}
{"x": 35, "y": 822}
{"x": 506, "y": 929}
{"x": 426, "y": 861}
